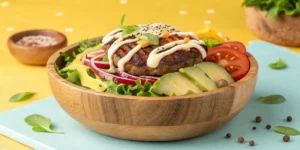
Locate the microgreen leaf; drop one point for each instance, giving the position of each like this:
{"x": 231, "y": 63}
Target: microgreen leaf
{"x": 286, "y": 130}
{"x": 123, "y": 19}
{"x": 278, "y": 65}
{"x": 210, "y": 43}
{"x": 272, "y": 99}
{"x": 127, "y": 29}
{"x": 21, "y": 96}
{"x": 152, "y": 38}
{"x": 40, "y": 123}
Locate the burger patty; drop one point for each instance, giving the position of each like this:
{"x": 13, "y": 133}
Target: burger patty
{"x": 170, "y": 63}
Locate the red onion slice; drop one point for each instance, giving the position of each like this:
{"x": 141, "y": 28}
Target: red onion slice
{"x": 108, "y": 76}
{"x": 99, "y": 64}
{"x": 129, "y": 76}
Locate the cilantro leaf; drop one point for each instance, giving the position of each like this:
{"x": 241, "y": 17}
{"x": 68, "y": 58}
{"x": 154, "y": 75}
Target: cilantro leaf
{"x": 152, "y": 38}
{"x": 210, "y": 43}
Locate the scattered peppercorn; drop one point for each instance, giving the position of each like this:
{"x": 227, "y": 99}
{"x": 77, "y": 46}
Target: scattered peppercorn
{"x": 286, "y": 138}
{"x": 241, "y": 139}
{"x": 251, "y": 143}
{"x": 253, "y": 128}
{"x": 268, "y": 126}
{"x": 228, "y": 135}
{"x": 222, "y": 83}
{"x": 289, "y": 118}
{"x": 258, "y": 119}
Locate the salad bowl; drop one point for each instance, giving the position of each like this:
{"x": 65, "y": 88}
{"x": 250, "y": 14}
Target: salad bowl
{"x": 150, "y": 118}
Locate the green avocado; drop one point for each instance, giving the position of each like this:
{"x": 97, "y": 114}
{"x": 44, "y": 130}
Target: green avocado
{"x": 199, "y": 77}
{"x": 175, "y": 84}
{"x": 215, "y": 72}
{"x": 85, "y": 78}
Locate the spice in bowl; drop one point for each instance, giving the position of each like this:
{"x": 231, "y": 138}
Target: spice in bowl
{"x": 37, "y": 41}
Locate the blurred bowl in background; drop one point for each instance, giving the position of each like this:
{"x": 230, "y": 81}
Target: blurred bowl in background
{"x": 284, "y": 30}
{"x": 31, "y": 55}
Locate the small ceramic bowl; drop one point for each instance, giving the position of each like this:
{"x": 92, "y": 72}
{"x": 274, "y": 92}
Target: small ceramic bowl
{"x": 35, "y": 55}
{"x": 150, "y": 118}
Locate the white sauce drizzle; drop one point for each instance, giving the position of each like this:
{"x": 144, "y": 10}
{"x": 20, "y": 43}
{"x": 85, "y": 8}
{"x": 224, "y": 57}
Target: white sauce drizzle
{"x": 156, "y": 55}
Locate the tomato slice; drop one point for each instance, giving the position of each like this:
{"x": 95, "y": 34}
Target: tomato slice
{"x": 235, "y": 62}
{"x": 236, "y": 46}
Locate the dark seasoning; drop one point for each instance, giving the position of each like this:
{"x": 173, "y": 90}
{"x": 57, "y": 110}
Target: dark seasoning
{"x": 258, "y": 119}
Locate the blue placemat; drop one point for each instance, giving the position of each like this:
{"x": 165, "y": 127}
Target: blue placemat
{"x": 77, "y": 137}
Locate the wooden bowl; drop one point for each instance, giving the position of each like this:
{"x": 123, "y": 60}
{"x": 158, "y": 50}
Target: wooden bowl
{"x": 284, "y": 30}
{"x": 151, "y": 118}
{"x": 35, "y": 55}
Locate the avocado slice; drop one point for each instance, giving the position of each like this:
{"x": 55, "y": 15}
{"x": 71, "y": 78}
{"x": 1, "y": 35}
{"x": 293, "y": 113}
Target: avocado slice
{"x": 215, "y": 72}
{"x": 199, "y": 77}
{"x": 175, "y": 84}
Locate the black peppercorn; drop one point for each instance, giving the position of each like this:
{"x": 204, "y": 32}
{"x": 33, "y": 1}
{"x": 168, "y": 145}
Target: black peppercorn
{"x": 289, "y": 118}
{"x": 251, "y": 143}
{"x": 268, "y": 126}
{"x": 253, "y": 128}
{"x": 241, "y": 139}
{"x": 258, "y": 119}
{"x": 228, "y": 135}
{"x": 286, "y": 138}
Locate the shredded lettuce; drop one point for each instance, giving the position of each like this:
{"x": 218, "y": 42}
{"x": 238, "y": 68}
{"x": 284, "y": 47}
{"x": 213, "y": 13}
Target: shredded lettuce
{"x": 137, "y": 90}
{"x": 275, "y": 7}
{"x": 210, "y": 43}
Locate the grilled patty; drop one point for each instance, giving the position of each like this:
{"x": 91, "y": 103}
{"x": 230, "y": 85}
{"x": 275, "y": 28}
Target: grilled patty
{"x": 171, "y": 63}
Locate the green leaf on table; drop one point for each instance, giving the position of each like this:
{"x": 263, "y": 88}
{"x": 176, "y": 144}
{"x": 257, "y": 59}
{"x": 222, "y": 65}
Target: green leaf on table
{"x": 278, "y": 65}
{"x": 272, "y": 99}
{"x": 40, "y": 123}
{"x": 286, "y": 130}
{"x": 127, "y": 29}
{"x": 210, "y": 43}
{"x": 21, "y": 96}
{"x": 152, "y": 38}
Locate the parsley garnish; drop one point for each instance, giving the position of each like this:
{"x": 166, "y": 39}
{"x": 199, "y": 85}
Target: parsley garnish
{"x": 127, "y": 29}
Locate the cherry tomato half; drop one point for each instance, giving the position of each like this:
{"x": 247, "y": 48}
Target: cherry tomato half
{"x": 236, "y": 46}
{"x": 235, "y": 62}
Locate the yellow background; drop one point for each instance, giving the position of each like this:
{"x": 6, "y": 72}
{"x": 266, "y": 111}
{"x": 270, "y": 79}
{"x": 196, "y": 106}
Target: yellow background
{"x": 90, "y": 18}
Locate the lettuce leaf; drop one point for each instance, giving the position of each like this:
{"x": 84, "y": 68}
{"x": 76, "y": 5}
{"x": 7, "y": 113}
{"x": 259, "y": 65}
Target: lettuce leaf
{"x": 137, "y": 90}
{"x": 210, "y": 43}
{"x": 276, "y": 7}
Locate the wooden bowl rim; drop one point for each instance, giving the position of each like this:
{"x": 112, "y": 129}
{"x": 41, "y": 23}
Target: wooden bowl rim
{"x": 28, "y": 32}
{"x": 52, "y": 72}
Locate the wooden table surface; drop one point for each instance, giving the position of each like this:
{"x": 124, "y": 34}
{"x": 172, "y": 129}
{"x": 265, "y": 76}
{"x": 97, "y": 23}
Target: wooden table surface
{"x": 80, "y": 19}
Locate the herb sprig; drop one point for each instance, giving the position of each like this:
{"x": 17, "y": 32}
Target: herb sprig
{"x": 40, "y": 123}
{"x": 127, "y": 29}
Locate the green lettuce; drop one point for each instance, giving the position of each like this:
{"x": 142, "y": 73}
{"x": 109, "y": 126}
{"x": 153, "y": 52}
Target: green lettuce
{"x": 276, "y": 7}
{"x": 137, "y": 90}
{"x": 210, "y": 43}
